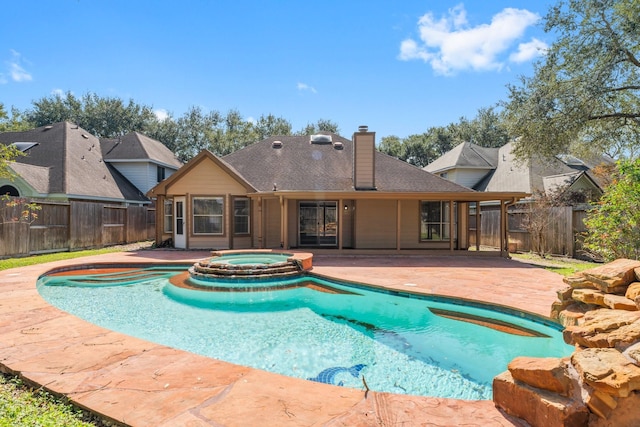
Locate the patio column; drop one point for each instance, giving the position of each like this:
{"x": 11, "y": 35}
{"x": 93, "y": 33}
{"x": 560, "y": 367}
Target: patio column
{"x": 260, "y": 221}
{"x": 503, "y": 228}
{"x": 451, "y": 226}
{"x": 340, "y": 222}
{"x": 398, "y": 223}
{"x": 478, "y": 233}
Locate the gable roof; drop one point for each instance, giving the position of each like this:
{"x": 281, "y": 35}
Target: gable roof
{"x": 298, "y": 165}
{"x": 135, "y": 146}
{"x": 505, "y": 173}
{"x": 74, "y": 161}
{"x": 465, "y": 155}
{"x": 204, "y": 155}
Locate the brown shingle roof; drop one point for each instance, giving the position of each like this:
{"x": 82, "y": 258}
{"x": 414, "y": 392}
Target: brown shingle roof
{"x": 75, "y": 163}
{"x": 299, "y": 165}
{"x": 136, "y": 146}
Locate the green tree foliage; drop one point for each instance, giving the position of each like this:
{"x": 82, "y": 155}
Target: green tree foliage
{"x": 322, "y": 125}
{"x": 486, "y": 129}
{"x": 104, "y": 117}
{"x": 584, "y": 96}
{"x": 13, "y": 123}
{"x": 614, "y": 223}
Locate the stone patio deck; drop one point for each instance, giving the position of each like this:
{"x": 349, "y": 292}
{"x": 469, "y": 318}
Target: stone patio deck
{"x": 139, "y": 383}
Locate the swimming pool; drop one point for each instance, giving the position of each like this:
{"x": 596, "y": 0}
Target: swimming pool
{"x": 318, "y": 329}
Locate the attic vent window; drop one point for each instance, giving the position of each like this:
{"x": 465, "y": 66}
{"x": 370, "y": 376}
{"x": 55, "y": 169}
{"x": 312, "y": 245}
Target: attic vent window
{"x": 338, "y": 145}
{"x": 24, "y": 146}
{"x": 276, "y": 144}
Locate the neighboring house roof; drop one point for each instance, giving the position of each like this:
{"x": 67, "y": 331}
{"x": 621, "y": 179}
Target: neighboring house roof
{"x": 298, "y": 165}
{"x": 135, "y": 146}
{"x": 73, "y": 159}
{"x": 506, "y": 173}
{"x": 465, "y": 155}
{"x": 37, "y": 177}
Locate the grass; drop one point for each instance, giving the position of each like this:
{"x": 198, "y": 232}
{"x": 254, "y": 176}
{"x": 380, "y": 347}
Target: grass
{"x": 58, "y": 256}
{"x": 561, "y": 265}
{"x": 20, "y": 405}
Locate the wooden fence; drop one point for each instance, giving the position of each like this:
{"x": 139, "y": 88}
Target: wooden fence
{"x": 70, "y": 226}
{"x": 563, "y": 235}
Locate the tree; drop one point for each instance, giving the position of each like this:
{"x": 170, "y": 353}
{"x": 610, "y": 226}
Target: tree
{"x": 14, "y": 123}
{"x": 613, "y": 225}
{"x": 487, "y": 129}
{"x": 584, "y": 96}
{"x": 103, "y": 117}
{"x": 322, "y": 125}
{"x": 271, "y": 125}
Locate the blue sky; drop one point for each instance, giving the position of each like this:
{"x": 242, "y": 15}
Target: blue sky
{"x": 399, "y": 67}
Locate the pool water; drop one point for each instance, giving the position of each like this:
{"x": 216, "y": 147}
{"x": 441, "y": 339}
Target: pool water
{"x": 251, "y": 258}
{"x": 321, "y": 330}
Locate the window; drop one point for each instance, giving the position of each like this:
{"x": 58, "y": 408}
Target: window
{"x": 168, "y": 215}
{"x": 207, "y": 215}
{"x": 161, "y": 173}
{"x": 434, "y": 221}
{"x": 241, "y": 215}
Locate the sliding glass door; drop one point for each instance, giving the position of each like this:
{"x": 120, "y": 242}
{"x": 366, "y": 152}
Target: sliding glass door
{"x": 318, "y": 224}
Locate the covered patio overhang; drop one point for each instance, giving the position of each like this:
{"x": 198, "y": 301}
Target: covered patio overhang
{"x": 505, "y": 199}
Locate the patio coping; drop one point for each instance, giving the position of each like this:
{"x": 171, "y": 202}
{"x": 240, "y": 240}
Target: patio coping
{"x": 138, "y": 383}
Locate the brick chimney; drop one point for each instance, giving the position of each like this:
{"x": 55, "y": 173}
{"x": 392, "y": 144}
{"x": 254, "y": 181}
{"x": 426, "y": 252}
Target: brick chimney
{"x": 364, "y": 153}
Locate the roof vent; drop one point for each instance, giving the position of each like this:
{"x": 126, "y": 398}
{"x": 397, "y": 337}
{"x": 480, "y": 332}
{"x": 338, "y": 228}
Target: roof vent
{"x": 276, "y": 144}
{"x": 338, "y": 145}
{"x": 84, "y": 135}
{"x": 48, "y": 127}
{"x": 321, "y": 139}
{"x": 363, "y": 128}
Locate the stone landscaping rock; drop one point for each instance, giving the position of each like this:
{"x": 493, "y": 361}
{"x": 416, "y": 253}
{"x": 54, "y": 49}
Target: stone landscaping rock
{"x": 535, "y": 406}
{"x": 605, "y": 328}
{"x": 545, "y": 373}
{"x": 599, "y": 386}
{"x": 573, "y": 314}
{"x": 578, "y": 281}
{"x": 618, "y": 302}
{"x": 564, "y": 294}
{"x": 633, "y": 353}
{"x": 625, "y": 414}
{"x": 633, "y": 291}
{"x": 613, "y": 277}
{"x": 601, "y": 404}
{"x": 607, "y": 371}
{"x": 589, "y": 296}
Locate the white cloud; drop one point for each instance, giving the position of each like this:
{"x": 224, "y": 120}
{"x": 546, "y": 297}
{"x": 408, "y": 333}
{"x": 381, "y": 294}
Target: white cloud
{"x": 57, "y": 92}
{"x": 528, "y": 51}
{"x": 161, "y": 114}
{"x": 16, "y": 71}
{"x": 450, "y": 44}
{"x": 252, "y": 120}
{"x": 304, "y": 86}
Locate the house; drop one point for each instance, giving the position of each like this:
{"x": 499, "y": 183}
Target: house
{"x": 317, "y": 191}
{"x": 64, "y": 162}
{"x": 496, "y": 169}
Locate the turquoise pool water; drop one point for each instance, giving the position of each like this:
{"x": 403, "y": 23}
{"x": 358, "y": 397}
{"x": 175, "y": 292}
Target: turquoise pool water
{"x": 251, "y": 258}
{"x": 318, "y": 329}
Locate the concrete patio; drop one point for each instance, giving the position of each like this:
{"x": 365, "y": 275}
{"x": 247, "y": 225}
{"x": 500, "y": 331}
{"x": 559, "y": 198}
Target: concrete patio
{"x": 139, "y": 383}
